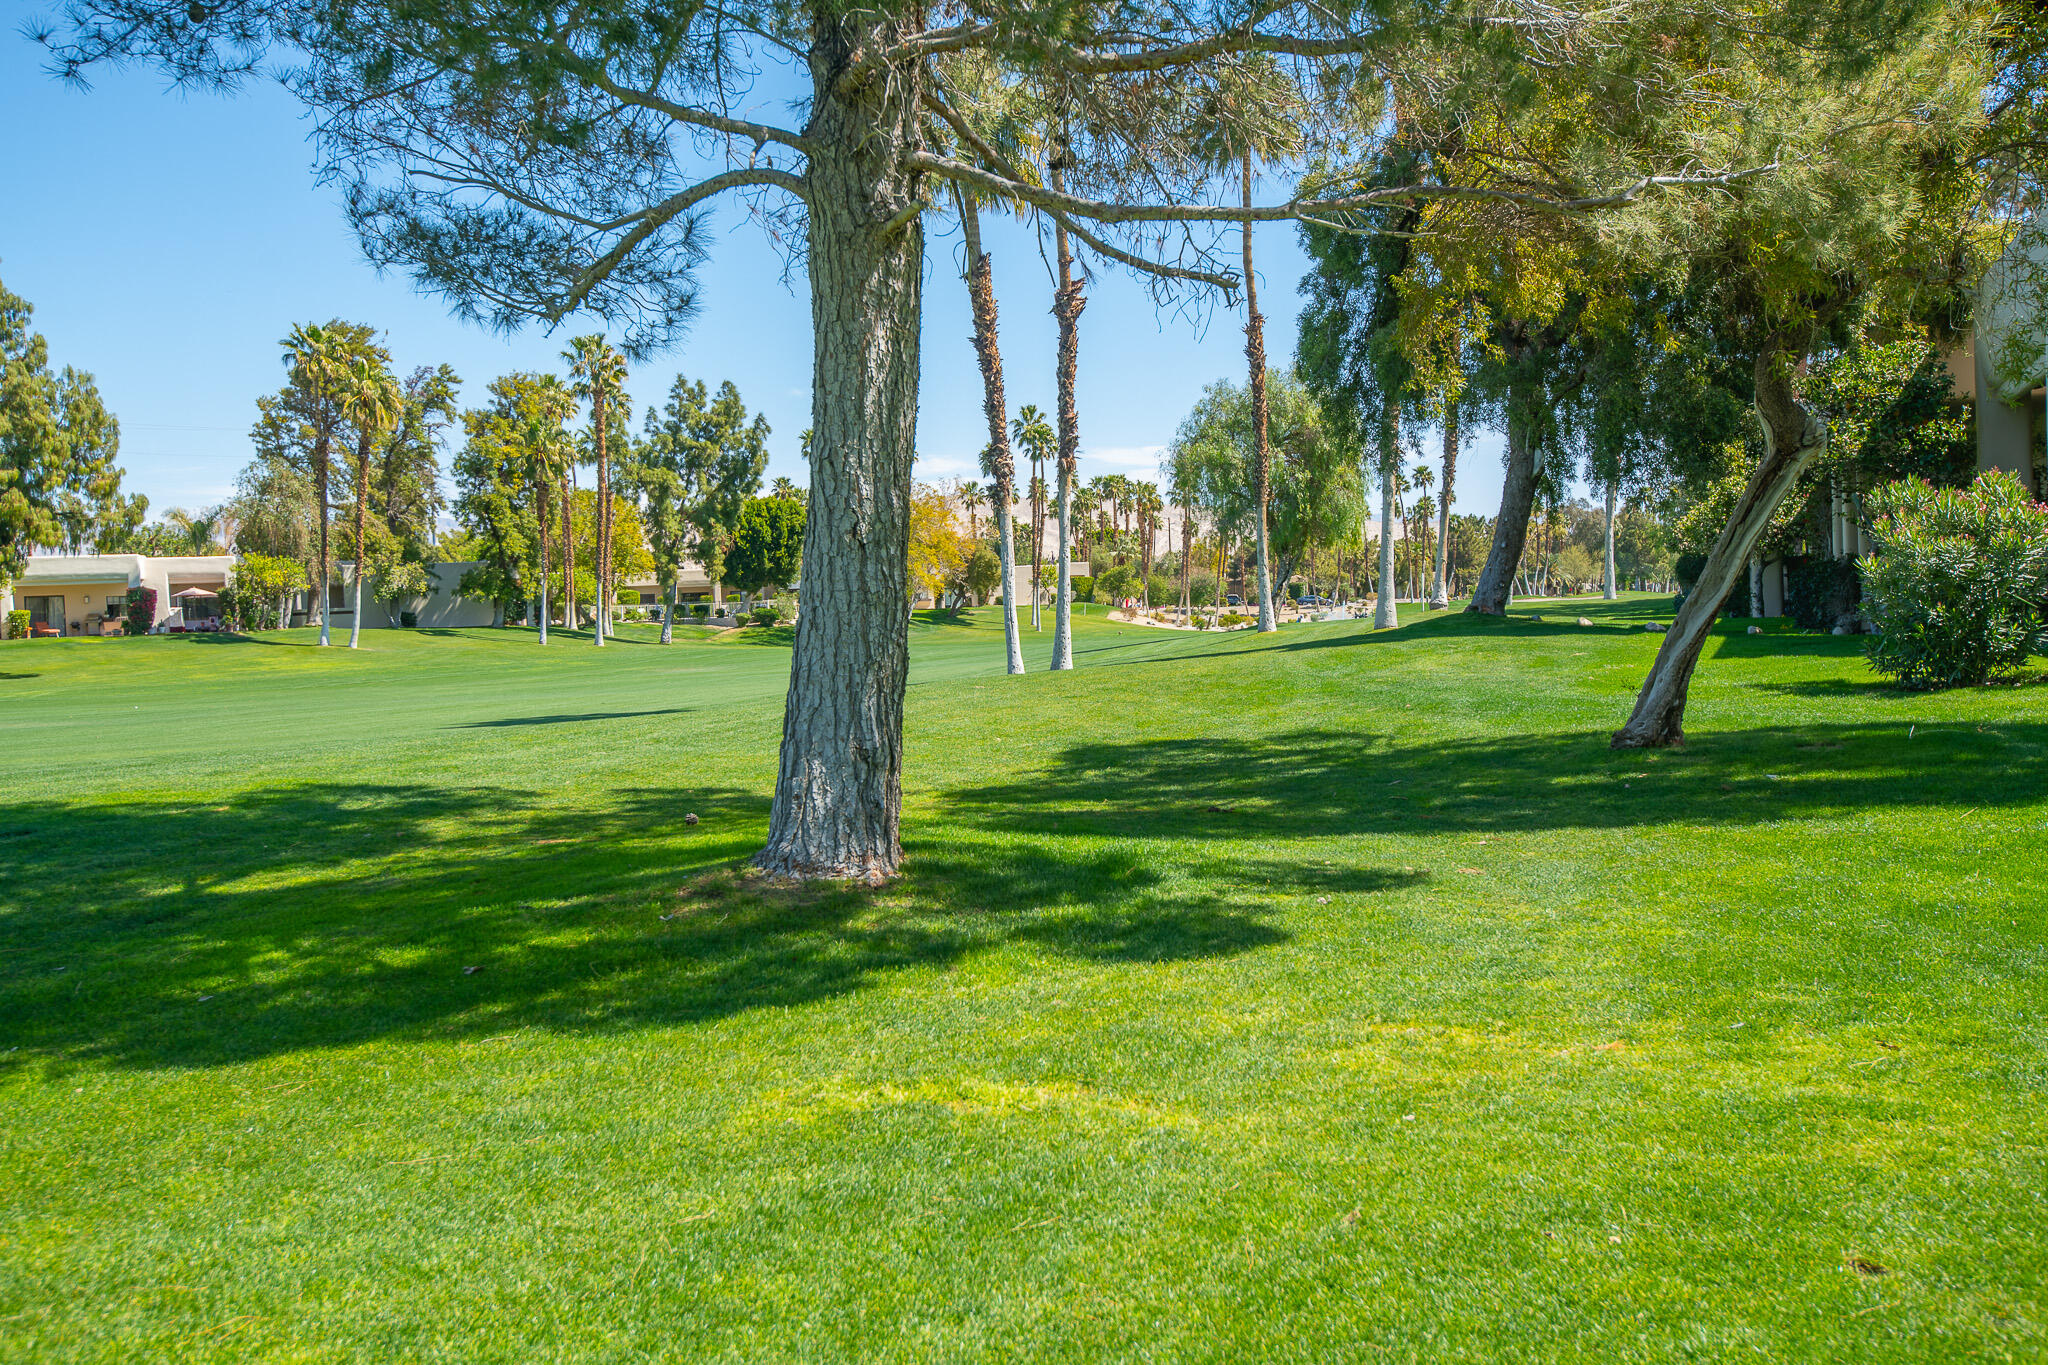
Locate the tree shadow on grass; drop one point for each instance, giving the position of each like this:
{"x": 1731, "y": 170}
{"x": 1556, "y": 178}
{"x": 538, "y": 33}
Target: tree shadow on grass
{"x": 1314, "y": 783}
{"x": 569, "y": 719}
{"x": 157, "y": 933}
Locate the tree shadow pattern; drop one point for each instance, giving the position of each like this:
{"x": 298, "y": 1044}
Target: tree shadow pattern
{"x": 153, "y": 933}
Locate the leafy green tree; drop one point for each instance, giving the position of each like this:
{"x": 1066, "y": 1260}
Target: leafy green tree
{"x": 494, "y": 500}
{"x": 266, "y": 579}
{"x": 767, "y": 545}
{"x": 58, "y": 443}
{"x": 717, "y": 454}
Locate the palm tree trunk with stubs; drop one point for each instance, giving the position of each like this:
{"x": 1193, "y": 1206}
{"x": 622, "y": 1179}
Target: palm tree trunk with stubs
{"x": 605, "y": 595}
{"x": 568, "y": 554}
{"x": 1383, "y": 614}
{"x": 1067, "y": 306}
{"x": 320, "y": 458}
{"x": 981, "y": 297}
{"x": 355, "y": 624}
{"x": 1262, "y": 455}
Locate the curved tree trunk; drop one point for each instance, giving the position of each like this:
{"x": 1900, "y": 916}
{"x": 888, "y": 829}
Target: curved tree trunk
{"x": 1793, "y": 439}
{"x": 981, "y": 297}
{"x": 1609, "y": 591}
{"x": 1510, "y": 528}
{"x": 1067, "y": 306}
{"x": 838, "y": 789}
{"x": 1384, "y": 616}
{"x": 1440, "y": 588}
{"x": 1262, "y": 455}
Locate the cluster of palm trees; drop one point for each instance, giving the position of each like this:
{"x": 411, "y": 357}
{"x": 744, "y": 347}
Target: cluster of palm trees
{"x": 346, "y": 387}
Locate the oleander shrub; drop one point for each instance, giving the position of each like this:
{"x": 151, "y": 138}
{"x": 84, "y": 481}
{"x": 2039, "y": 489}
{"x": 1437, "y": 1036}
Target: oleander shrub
{"x": 1955, "y": 591}
{"x": 17, "y": 624}
{"x": 141, "y": 611}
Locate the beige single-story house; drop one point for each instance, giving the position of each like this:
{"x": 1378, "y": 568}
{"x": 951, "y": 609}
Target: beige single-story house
{"x": 88, "y": 594}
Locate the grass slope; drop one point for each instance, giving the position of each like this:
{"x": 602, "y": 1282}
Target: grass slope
{"x": 1323, "y": 996}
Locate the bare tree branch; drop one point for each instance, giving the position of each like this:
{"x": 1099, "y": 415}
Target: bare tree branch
{"x": 660, "y": 216}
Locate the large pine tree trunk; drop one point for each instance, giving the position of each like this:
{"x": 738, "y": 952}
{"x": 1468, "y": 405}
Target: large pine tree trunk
{"x": 838, "y": 792}
{"x": 1262, "y": 455}
{"x": 1440, "y": 588}
{"x": 1793, "y": 439}
{"x": 1067, "y": 306}
{"x": 1511, "y": 527}
{"x": 1608, "y": 591}
{"x": 981, "y": 297}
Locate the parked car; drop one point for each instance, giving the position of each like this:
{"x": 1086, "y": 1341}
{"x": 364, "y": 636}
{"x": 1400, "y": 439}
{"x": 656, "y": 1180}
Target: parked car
{"x": 1309, "y": 599}
{"x": 1232, "y": 600}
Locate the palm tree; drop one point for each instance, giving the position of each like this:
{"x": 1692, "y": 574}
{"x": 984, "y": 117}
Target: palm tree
{"x": 547, "y": 453}
{"x": 1424, "y": 479}
{"x": 1030, "y": 430}
{"x": 1068, "y": 301}
{"x": 1247, "y": 117}
{"x": 785, "y": 487}
{"x": 969, "y": 494}
{"x": 317, "y": 357}
{"x": 599, "y": 376}
{"x": 369, "y": 398}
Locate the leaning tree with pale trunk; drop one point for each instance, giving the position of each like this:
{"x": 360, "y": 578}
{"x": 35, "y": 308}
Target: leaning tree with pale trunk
{"x": 537, "y": 159}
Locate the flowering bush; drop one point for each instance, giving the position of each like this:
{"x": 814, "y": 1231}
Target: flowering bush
{"x": 141, "y": 611}
{"x": 17, "y": 624}
{"x": 1956, "y": 589}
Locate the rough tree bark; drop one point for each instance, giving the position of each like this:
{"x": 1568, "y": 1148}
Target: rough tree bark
{"x": 1511, "y": 527}
{"x": 1609, "y": 591}
{"x": 668, "y": 613}
{"x": 1066, "y": 307}
{"x": 838, "y": 791}
{"x": 981, "y": 297}
{"x": 1262, "y": 455}
{"x": 1793, "y": 438}
{"x": 1384, "y": 616}
{"x": 1187, "y": 562}
{"x": 1440, "y": 590}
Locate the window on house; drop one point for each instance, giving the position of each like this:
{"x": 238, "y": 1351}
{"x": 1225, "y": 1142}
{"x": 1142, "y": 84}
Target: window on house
{"x": 45, "y": 611}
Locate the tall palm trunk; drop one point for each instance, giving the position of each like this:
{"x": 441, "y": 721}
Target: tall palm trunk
{"x": 1067, "y": 306}
{"x": 542, "y": 494}
{"x": 1037, "y": 537}
{"x": 1609, "y": 592}
{"x": 1187, "y": 561}
{"x": 981, "y": 297}
{"x": 568, "y": 554}
{"x": 355, "y": 624}
{"x": 320, "y": 459}
{"x": 1262, "y": 456}
{"x": 1383, "y": 614}
{"x": 605, "y": 595}
{"x": 1440, "y": 591}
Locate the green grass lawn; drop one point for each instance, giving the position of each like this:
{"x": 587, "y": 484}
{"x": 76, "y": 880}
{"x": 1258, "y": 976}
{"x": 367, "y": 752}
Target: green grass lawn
{"x": 1326, "y": 996}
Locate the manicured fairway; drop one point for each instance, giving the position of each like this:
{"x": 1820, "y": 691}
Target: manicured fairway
{"x": 1331, "y": 996}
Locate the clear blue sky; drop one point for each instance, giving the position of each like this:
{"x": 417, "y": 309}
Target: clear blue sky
{"x": 167, "y": 240}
